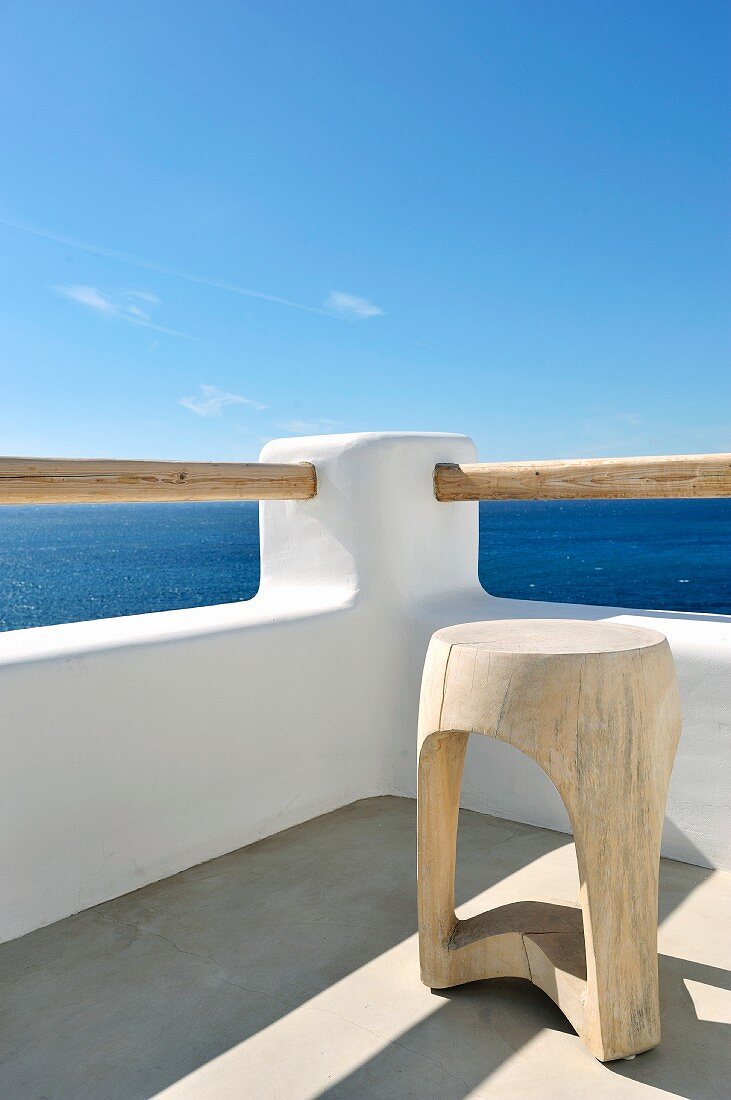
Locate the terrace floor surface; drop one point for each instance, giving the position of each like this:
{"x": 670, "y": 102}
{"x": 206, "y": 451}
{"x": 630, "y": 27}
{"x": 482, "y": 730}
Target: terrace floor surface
{"x": 289, "y": 970}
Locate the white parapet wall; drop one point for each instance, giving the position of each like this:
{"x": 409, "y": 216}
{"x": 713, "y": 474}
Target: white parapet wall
{"x": 135, "y": 747}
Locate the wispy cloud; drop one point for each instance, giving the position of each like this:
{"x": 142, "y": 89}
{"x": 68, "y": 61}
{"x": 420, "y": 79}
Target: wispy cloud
{"x": 161, "y": 269}
{"x": 338, "y": 303}
{"x": 134, "y": 306}
{"x": 609, "y": 431}
{"x": 628, "y": 432}
{"x": 89, "y": 296}
{"x": 211, "y": 401}
{"x": 307, "y": 427}
{"x": 351, "y": 306}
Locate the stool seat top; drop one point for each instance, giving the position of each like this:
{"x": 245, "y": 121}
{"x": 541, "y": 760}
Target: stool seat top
{"x": 549, "y": 636}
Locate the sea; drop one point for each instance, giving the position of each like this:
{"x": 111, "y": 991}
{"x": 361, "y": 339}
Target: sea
{"x": 70, "y": 563}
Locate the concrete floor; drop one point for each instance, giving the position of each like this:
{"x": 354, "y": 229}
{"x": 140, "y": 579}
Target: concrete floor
{"x": 289, "y": 969}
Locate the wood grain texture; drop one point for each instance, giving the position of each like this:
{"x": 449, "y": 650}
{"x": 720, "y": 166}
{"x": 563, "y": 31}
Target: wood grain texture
{"x": 587, "y": 479}
{"x": 97, "y": 481}
{"x": 596, "y": 705}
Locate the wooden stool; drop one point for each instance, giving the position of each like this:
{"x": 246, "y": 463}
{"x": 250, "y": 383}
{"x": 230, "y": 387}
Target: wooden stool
{"x": 596, "y": 705}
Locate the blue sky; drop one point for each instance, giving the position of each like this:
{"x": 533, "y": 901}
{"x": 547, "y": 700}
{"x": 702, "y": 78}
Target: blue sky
{"x": 221, "y": 223}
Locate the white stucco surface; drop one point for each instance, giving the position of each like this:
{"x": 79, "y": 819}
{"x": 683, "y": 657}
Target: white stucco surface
{"x": 133, "y": 748}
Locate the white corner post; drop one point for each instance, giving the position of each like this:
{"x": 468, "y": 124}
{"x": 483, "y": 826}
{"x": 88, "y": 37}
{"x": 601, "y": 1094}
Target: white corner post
{"x": 375, "y": 534}
{"x": 375, "y": 526}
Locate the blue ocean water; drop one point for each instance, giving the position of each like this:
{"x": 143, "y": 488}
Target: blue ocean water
{"x": 77, "y": 562}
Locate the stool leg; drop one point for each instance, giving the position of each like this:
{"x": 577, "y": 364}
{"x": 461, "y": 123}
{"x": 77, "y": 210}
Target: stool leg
{"x": 441, "y": 763}
{"x": 618, "y": 870}
{"x": 624, "y": 758}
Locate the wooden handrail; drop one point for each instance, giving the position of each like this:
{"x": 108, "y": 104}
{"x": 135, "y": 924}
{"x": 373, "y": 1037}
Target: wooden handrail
{"x": 92, "y": 481}
{"x": 587, "y": 479}
{"x": 81, "y": 480}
